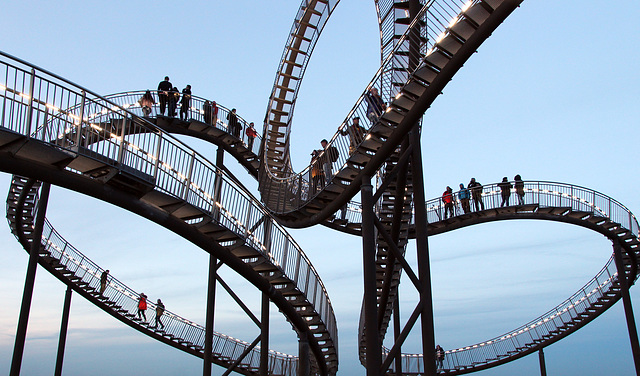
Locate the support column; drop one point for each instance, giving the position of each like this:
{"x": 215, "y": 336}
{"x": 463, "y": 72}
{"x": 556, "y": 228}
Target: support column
{"x": 628, "y": 309}
{"x": 373, "y": 347}
{"x": 304, "y": 367}
{"x": 63, "y": 331}
{"x": 396, "y": 333}
{"x": 36, "y": 243}
{"x": 422, "y": 246}
{"x": 211, "y": 307}
{"x": 543, "y": 366}
{"x": 264, "y": 336}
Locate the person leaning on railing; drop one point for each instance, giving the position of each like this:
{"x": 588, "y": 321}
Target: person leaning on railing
{"x": 163, "y": 93}
{"x": 476, "y": 193}
{"x": 519, "y": 189}
{"x": 464, "y": 197}
{"x": 505, "y": 191}
{"x": 146, "y": 103}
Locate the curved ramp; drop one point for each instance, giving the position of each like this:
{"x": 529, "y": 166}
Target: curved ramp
{"x": 548, "y": 201}
{"x": 451, "y": 37}
{"x": 73, "y": 268}
{"x": 132, "y": 164}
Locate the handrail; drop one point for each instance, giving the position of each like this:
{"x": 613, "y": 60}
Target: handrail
{"x": 129, "y": 100}
{"x": 543, "y": 194}
{"x": 297, "y": 188}
{"x": 126, "y": 299}
{"x": 131, "y": 144}
{"x": 554, "y": 193}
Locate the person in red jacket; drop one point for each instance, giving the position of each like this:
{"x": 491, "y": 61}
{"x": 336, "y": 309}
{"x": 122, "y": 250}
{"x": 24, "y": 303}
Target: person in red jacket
{"x": 251, "y": 134}
{"x": 142, "y": 306}
{"x": 447, "y": 198}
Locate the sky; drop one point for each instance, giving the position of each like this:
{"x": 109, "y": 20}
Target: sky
{"x": 552, "y": 95}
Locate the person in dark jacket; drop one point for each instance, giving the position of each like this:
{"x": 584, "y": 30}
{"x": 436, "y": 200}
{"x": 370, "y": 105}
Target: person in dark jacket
{"x": 208, "y": 112}
{"x": 375, "y": 105}
{"x": 104, "y": 278}
{"x": 505, "y": 191}
{"x": 519, "y": 189}
{"x": 476, "y": 193}
{"x": 439, "y": 357}
{"x": 234, "y": 126}
{"x": 163, "y": 93}
{"x": 174, "y": 97}
{"x": 355, "y": 132}
{"x": 159, "y": 313}
{"x": 185, "y": 102}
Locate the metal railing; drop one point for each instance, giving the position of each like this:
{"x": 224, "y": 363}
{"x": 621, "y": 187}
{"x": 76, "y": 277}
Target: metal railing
{"x": 195, "y": 111}
{"x": 296, "y": 189}
{"x": 543, "y": 195}
{"x": 30, "y": 96}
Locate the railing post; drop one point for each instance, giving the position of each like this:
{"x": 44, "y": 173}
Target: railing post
{"x": 36, "y": 243}
{"x": 122, "y": 140}
{"x": 30, "y": 113}
{"x": 187, "y": 182}
{"x": 157, "y": 164}
{"x": 79, "y": 130}
{"x": 63, "y": 331}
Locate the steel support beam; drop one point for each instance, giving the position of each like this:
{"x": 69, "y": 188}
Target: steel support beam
{"x": 626, "y": 301}
{"x": 211, "y": 285}
{"x": 63, "y": 331}
{"x": 264, "y": 336}
{"x": 396, "y": 334}
{"x": 373, "y": 347}
{"x": 422, "y": 247}
{"x": 543, "y": 366}
{"x": 23, "y": 320}
{"x": 304, "y": 366}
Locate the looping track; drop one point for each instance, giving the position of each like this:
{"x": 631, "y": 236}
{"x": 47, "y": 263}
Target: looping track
{"x": 55, "y": 131}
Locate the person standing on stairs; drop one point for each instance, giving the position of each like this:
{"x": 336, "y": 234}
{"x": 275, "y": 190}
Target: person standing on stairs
{"x": 103, "y": 281}
{"x": 251, "y": 135}
{"x": 159, "y": 312}
{"x": 232, "y": 123}
{"x": 464, "y": 197}
{"x": 174, "y": 97}
{"x": 163, "y": 93}
{"x": 476, "y": 194}
{"x": 185, "y": 103}
{"x": 447, "y": 198}
{"x": 505, "y": 191}
{"x": 519, "y": 189}
{"x": 142, "y": 306}
{"x": 329, "y": 156}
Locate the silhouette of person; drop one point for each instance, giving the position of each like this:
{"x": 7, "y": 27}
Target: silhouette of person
{"x": 355, "y": 132}
{"x": 505, "y": 191}
{"x": 174, "y": 97}
{"x": 234, "y": 126}
{"x": 185, "y": 102}
{"x": 476, "y": 193}
{"x": 439, "y": 357}
{"x": 163, "y": 93}
{"x": 159, "y": 312}
{"x": 519, "y": 189}
{"x": 103, "y": 281}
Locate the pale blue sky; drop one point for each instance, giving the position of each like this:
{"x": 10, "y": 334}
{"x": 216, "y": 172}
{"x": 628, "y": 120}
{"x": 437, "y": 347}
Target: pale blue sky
{"x": 552, "y": 95}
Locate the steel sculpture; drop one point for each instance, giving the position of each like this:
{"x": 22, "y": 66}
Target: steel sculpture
{"x": 56, "y": 132}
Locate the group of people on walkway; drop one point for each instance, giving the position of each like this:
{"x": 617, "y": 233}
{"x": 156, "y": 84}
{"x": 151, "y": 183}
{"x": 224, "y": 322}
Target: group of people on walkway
{"x": 142, "y": 302}
{"x": 168, "y": 96}
{"x": 473, "y": 193}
